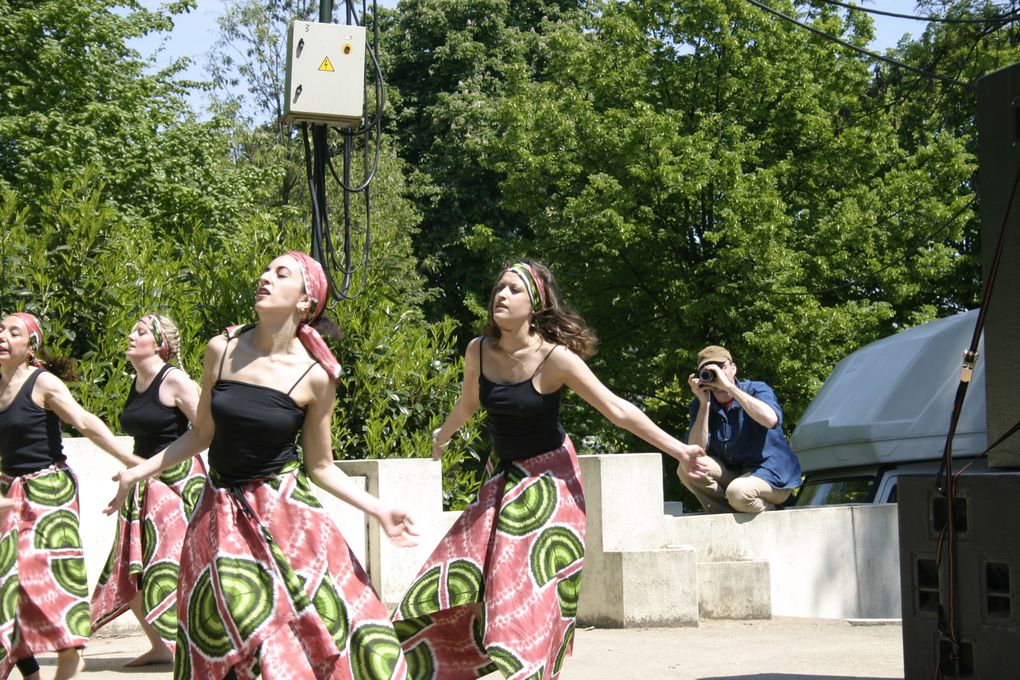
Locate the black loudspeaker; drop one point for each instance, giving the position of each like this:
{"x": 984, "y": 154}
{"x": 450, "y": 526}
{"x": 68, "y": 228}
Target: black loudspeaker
{"x": 998, "y": 119}
{"x": 982, "y": 591}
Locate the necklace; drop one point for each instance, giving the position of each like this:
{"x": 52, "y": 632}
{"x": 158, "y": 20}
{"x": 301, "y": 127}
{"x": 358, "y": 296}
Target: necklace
{"x": 527, "y": 347}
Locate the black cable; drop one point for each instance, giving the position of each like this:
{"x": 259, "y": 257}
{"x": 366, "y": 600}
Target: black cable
{"x": 946, "y": 484}
{"x": 1009, "y": 16}
{"x": 1006, "y": 435}
{"x": 340, "y": 267}
{"x": 971, "y": 355}
{"x": 860, "y": 50}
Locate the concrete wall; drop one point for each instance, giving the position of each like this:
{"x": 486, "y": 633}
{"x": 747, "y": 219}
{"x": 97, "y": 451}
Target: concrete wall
{"x": 95, "y": 469}
{"x": 829, "y": 562}
{"x": 643, "y": 567}
{"x": 632, "y": 578}
{"x": 416, "y": 486}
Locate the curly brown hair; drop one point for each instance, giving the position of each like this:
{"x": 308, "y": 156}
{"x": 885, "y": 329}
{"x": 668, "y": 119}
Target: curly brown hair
{"x": 556, "y": 322}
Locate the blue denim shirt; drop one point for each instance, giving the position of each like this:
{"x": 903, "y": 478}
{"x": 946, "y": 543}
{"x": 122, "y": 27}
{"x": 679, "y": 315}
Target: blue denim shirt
{"x": 741, "y": 443}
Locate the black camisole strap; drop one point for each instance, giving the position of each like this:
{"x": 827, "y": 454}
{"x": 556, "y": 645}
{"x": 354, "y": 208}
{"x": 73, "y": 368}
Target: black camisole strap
{"x": 223, "y": 357}
{"x": 480, "y": 354}
{"x": 549, "y": 354}
{"x": 310, "y": 367}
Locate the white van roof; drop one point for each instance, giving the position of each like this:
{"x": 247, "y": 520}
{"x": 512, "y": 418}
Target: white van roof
{"x": 890, "y": 402}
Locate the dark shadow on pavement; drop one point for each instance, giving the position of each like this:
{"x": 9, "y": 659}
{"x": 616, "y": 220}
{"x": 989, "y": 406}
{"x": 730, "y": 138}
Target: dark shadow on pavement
{"x": 115, "y": 664}
{"x": 787, "y": 676}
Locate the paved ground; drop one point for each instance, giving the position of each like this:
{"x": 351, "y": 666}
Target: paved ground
{"x": 780, "y": 649}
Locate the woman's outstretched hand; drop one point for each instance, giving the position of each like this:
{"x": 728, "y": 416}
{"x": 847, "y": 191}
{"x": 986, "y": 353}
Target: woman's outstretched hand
{"x": 124, "y": 484}
{"x": 399, "y": 526}
{"x": 690, "y": 458}
{"x": 437, "y": 447}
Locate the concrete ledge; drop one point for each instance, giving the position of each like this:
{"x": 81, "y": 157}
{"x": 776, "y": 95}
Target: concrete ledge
{"x": 95, "y": 469}
{"x": 415, "y": 484}
{"x": 833, "y": 562}
{"x": 734, "y": 590}
{"x": 623, "y": 495}
{"x": 639, "y": 589}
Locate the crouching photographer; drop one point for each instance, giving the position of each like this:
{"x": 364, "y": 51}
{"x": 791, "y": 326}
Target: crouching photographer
{"x": 740, "y": 426}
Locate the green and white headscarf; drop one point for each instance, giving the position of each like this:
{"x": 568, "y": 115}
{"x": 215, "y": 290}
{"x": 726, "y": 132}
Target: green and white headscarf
{"x": 536, "y": 290}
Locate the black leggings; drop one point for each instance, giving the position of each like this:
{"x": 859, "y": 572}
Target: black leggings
{"x": 27, "y": 666}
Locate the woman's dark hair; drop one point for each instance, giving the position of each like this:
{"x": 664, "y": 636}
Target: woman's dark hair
{"x": 64, "y": 368}
{"x": 328, "y": 328}
{"x": 556, "y": 322}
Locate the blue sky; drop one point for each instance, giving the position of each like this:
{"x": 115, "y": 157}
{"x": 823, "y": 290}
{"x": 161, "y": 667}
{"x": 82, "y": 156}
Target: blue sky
{"x": 195, "y": 31}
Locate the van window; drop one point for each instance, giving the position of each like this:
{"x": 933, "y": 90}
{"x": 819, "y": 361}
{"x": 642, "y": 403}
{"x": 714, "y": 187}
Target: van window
{"x": 831, "y": 492}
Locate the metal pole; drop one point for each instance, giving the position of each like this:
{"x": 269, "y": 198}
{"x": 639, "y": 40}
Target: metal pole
{"x": 325, "y": 11}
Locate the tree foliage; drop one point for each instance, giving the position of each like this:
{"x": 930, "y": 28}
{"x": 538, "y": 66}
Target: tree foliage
{"x": 116, "y": 201}
{"x": 694, "y": 174}
{"x": 703, "y": 174}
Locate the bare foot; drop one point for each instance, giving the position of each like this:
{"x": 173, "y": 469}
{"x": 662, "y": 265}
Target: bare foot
{"x": 153, "y": 656}
{"x": 69, "y": 664}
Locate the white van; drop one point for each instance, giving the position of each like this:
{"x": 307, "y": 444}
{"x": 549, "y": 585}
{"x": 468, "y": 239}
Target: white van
{"x": 884, "y": 412}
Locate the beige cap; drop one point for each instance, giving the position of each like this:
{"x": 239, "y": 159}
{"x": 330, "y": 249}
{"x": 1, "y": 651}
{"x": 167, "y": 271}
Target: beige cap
{"x": 713, "y": 353}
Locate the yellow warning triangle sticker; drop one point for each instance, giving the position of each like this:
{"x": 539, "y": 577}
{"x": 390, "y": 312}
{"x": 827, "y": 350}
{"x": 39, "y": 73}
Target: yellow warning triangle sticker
{"x": 326, "y": 65}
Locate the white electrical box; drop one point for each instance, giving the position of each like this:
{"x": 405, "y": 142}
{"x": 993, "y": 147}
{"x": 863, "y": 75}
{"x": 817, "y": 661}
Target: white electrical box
{"x": 325, "y": 74}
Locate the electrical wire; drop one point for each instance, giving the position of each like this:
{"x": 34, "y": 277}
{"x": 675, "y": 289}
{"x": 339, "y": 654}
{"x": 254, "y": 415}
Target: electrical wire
{"x": 1006, "y": 435}
{"x": 376, "y": 125}
{"x": 971, "y": 355}
{"x": 861, "y": 50}
{"x": 1009, "y": 16}
{"x": 946, "y": 484}
{"x": 340, "y": 266}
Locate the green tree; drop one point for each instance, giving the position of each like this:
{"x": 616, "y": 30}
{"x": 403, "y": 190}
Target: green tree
{"x": 401, "y": 373}
{"x": 698, "y": 175}
{"x": 77, "y": 97}
{"x": 719, "y": 176}
{"x": 115, "y": 201}
{"x": 445, "y": 62}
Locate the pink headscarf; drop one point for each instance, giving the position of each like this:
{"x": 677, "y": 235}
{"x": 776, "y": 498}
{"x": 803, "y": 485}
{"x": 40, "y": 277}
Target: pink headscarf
{"x": 35, "y": 336}
{"x": 317, "y": 289}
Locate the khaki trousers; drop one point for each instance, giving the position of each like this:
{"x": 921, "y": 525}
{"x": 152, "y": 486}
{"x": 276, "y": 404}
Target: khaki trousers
{"x": 726, "y": 491}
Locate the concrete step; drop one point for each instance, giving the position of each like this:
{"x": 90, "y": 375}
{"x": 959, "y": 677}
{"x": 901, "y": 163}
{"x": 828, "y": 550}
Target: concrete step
{"x": 736, "y": 590}
{"x": 639, "y": 588}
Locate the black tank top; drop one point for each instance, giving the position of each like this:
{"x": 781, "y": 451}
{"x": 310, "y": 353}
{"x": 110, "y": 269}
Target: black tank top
{"x": 523, "y": 422}
{"x": 256, "y": 428}
{"x": 29, "y": 435}
{"x": 153, "y": 425}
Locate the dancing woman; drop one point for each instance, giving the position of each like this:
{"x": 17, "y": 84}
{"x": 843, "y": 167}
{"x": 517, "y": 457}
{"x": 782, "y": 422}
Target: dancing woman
{"x": 145, "y": 557}
{"x": 500, "y": 591}
{"x": 267, "y": 583}
{"x": 43, "y": 588}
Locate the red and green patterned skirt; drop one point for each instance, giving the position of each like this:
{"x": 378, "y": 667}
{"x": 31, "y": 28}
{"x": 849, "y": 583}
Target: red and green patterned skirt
{"x": 146, "y": 551}
{"x": 500, "y": 591}
{"x": 269, "y": 587}
{"x": 43, "y": 588}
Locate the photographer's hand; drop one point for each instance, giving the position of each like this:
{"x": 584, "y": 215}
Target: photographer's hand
{"x": 722, "y": 381}
{"x": 699, "y": 388}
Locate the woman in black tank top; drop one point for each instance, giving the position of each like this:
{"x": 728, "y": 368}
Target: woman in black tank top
{"x": 39, "y": 522}
{"x": 260, "y": 552}
{"x": 510, "y": 567}
{"x": 146, "y": 551}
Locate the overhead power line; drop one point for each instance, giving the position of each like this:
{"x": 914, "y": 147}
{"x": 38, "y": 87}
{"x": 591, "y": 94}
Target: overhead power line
{"x": 1008, "y": 16}
{"x": 860, "y": 50}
